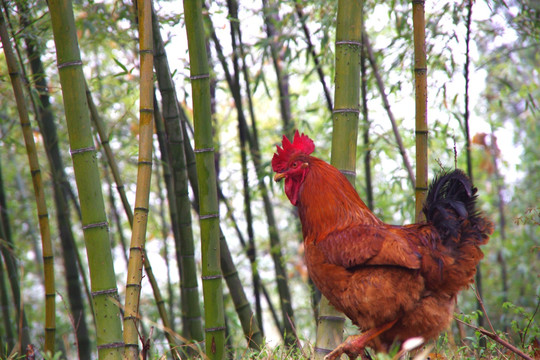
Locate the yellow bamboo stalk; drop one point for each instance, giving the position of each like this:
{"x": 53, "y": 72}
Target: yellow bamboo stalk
{"x": 43, "y": 215}
{"x": 420, "y": 70}
{"x": 140, "y": 213}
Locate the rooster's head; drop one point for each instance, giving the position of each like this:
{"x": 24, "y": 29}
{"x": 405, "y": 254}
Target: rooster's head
{"x": 291, "y": 162}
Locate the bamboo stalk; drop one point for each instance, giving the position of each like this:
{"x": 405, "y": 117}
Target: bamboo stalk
{"x": 144, "y": 174}
{"x": 94, "y": 220}
{"x": 208, "y": 202}
{"x": 35, "y": 170}
{"x": 344, "y": 136}
{"x": 420, "y": 70}
{"x": 185, "y": 248}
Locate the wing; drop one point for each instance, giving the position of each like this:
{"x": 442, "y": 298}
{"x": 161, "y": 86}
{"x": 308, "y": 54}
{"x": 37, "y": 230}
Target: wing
{"x": 370, "y": 245}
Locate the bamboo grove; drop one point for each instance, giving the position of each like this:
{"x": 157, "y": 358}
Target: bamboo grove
{"x": 146, "y": 129}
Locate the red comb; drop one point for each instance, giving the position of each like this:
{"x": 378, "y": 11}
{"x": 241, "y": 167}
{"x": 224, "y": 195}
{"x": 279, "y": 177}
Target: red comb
{"x": 301, "y": 144}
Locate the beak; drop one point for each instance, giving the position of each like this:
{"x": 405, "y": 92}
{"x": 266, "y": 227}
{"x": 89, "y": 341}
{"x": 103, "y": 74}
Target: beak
{"x": 279, "y": 176}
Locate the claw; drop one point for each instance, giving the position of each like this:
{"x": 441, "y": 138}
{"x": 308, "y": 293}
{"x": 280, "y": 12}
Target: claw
{"x": 355, "y": 344}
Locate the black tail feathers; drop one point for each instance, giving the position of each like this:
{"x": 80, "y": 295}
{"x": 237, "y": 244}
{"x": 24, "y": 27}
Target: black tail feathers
{"x": 450, "y": 202}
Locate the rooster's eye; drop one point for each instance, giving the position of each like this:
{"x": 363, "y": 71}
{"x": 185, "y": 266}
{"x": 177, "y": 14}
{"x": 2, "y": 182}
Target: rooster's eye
{"x": 294, "y": 165}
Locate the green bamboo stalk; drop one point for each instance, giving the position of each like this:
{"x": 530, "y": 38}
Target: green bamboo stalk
{"x": 420, "y": 70}
{"x": 43, "y": 215}
{"x": 208, "y": 200}
{"x": 185, "y": 248}
{"x": 142, "y": 194}
{"x": 344, "y": 136}
{"x": 94, "y": 220}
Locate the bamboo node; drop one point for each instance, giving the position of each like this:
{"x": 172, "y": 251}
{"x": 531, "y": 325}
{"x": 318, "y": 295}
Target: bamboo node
{"x": 346, "y": 110}
{"x": 69, "y": 63}
{"x": 322, "y": 351}
{"x": 43, "y": 216}
{"x": 196, "y": 151}
{"x": 111, "y": 345}
{"x": 331, "y": 318}
{"x": 209, "y": 216}
{"x": 217, "y": 328}
{"x": 348, "y": 172}
{"x": 104, "y": 292}
{"x": 146, "y": 110}
{"x": 171, "y": 117}
{"x": 198, "y": 77}
{"x": 95, "y": 225}
{"x": 349, "y": 42}
{"x": 82, "y": 150}
{"x": 146, "y": 51}
{"x": 212, "y": 277}
{"x": 242, "y": 306}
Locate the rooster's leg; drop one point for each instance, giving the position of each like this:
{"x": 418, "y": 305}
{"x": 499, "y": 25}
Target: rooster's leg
{"x": 355, "y": 344}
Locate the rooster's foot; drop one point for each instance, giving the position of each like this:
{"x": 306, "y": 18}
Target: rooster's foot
{"x": 355, "y": 344}
{"x": 352, "y": 347}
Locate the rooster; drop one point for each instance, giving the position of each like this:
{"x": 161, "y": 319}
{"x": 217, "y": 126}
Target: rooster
{"x": 393, "y": 282}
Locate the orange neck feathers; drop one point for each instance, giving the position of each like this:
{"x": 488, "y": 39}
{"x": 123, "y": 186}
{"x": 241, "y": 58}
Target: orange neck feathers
{"x": 328, "y": 202}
